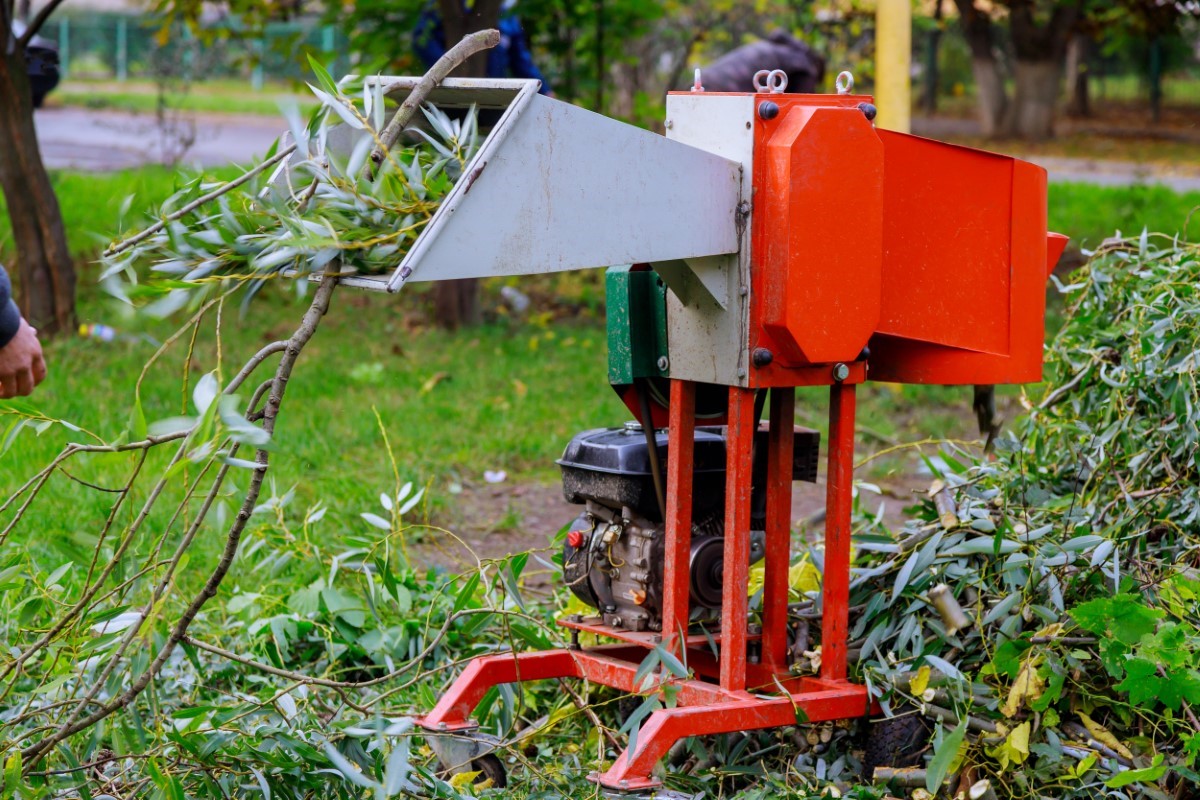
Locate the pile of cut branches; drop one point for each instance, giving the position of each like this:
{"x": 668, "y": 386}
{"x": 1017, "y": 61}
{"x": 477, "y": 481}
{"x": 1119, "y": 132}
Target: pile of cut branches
{"x": 1041, "y": 611}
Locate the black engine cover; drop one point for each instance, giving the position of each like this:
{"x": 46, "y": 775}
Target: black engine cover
{"x": 612, "y": 466}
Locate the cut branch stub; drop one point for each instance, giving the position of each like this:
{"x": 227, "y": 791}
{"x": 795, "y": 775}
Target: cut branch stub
{"x": 454, "y": 57}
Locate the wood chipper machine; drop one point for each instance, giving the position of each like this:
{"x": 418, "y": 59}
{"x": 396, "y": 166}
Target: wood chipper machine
{"x": 767, "y": 242}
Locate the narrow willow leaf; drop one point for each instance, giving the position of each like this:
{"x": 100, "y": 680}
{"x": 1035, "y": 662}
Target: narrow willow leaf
{"x": 944, "y": 755}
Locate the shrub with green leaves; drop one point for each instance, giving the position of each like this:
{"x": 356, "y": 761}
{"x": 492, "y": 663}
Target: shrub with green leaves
{"x": 1076, "y": 670}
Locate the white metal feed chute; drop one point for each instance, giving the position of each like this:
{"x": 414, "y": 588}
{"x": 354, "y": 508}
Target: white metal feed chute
{"x": 554, "y": 187}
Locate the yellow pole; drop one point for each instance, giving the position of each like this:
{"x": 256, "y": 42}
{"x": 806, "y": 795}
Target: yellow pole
{"x": 893, "y": 57}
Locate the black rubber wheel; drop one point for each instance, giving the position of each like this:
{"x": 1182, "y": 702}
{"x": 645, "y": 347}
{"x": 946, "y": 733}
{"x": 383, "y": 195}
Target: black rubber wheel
{"x": 490, "y": 767}
{"x": 893, "y": 742}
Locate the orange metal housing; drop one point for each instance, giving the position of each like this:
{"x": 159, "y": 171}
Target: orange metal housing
{"x": 935, "y": 255}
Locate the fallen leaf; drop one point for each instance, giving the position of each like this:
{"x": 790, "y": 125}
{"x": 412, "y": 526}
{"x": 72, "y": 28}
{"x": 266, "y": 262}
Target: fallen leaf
{"x": 1015, "y": 747}
{"x": 919, "y": 682}
{"x": 437, "y": 377}
{"x": 1102, "y": 735}
{"x": 1025, "y": 689}
{"x": 463, "y": 779}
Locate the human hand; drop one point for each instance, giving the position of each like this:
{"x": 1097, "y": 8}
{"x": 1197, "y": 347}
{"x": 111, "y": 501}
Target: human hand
{"x": 21, "y": 364}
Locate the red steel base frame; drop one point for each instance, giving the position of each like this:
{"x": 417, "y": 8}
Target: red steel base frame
{"x": 720, "y": 700}
{"x": 702, "y": 708}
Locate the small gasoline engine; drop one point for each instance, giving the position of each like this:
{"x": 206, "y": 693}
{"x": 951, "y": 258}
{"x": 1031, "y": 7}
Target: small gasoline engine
{"x": 613, "y": 555}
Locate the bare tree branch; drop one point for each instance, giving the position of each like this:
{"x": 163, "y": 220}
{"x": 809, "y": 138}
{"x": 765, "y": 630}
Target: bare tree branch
{"x": 469, "y": 46}
{"x": 38, "y": 21}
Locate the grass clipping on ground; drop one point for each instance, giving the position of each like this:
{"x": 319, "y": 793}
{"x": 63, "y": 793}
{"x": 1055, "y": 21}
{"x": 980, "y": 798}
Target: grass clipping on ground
{"x": 1044, "y": 612}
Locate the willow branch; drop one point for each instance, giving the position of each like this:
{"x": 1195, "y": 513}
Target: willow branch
{"x": 297, "y": 342}
{"x": 120, "y": 247}
{"x": 454, "y": 58}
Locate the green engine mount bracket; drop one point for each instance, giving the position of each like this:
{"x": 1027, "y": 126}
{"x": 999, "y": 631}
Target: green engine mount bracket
{"x": 636, "y": 299}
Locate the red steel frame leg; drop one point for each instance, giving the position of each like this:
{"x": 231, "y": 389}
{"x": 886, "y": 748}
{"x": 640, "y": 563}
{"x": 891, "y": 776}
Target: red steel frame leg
{"x": 665, "y": 727}
{"x": 835, "y": 603}
{"x": 779, "y": 529}
{"x": 453, "y": 711}
{"x": 739, "y": 445}
{"x": 676, "y": 571}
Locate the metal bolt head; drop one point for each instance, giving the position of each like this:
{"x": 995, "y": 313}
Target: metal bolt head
{"x": 869, "y": 111}
{"x": 762, "y": 356}
{"x": 741, "y": 373}
{"x": 768, "y": 109}
{"x": 664, "y": 363}
{"x": 840, "y": 372}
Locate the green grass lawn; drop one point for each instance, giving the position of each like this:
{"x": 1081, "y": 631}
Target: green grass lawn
{"x": 507, "y": 396}
{"x": 1089, "y": 214}
{"x": 214, "y": 96}
{"x": 92, "y": 204}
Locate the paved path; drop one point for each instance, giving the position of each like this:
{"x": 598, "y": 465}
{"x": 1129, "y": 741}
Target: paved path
{"x": 89, "y": 139}
{"x": 78, "y": 138}
{"x": 1184, "y": 177}
{"x": 1118, "y": 173}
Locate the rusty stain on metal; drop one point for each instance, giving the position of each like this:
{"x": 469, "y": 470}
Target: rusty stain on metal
{"x": 472, "y": 177}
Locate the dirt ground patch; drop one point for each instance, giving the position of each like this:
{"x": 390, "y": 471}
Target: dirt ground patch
{"x": 495, "y": 520}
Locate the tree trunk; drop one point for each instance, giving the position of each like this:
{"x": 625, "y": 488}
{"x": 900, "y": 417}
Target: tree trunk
{"x": 989, "y": 83}
{"x": 1156, "y": 93}
{"x": 1036, "y": 98}
{"x": 1040, "y": 46}
{"x": 930, "y": 96}
{"x": 45, "y": 274}
{"x": 601, "y": 70}
{"x": 456, "y": 303}
{"x": 1077, "y": 76}
{"x": 990, "y": 95}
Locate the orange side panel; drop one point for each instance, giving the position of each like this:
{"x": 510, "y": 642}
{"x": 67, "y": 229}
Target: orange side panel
{"x": 974, "y": 312}
{"x": 947, "y": 241}
{"x": 817, "y": 234}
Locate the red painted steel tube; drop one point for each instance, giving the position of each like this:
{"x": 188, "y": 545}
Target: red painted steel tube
{"x": 665, "y": 727}
{"x": 680, "y": 451}
{"x": 611, "y": 665}
{"x": 739, "y": 443}
{"x": 619, "y": 674}
{"x": 835, "y": 599}
{"x": 778, "y": 529}
{"x": 454, "y": 708}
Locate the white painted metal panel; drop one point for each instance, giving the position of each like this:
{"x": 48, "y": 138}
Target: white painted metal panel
{"x": 559, "y": 188}
{"x": 707, "y": 332}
